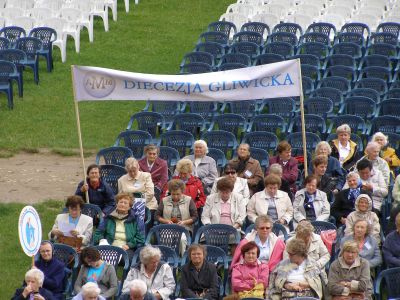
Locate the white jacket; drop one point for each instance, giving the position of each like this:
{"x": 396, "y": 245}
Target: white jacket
{"x": 84, "y": 226}
{"x": 240, "y": 187}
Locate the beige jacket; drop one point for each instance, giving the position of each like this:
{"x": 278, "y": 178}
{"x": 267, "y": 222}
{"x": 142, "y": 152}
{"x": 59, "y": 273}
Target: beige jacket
{"x": 212, "y": 209}
{"x": 258, "y": 206}
{"x": 141, "y": 184}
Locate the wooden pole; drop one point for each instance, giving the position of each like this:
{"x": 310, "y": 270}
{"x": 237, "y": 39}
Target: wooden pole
{"x": 33, "y": 261}
{"x": 303, "y": 126}
{"x": 78, "y": 125}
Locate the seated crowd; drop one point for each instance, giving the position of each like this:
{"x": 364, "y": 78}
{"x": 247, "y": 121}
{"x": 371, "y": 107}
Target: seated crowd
{"x": 342, "y": 188}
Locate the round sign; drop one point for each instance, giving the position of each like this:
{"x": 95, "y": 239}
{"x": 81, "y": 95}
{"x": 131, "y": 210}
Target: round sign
{"x": 29, "y": 230}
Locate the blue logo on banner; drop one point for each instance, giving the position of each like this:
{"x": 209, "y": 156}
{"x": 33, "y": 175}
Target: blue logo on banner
{"x": 29, "y": 230}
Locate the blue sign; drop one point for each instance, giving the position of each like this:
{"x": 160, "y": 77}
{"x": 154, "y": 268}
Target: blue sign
{"x": 29, "y": 230}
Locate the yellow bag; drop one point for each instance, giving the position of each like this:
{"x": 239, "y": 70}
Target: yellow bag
{"x": 256, "y": 292}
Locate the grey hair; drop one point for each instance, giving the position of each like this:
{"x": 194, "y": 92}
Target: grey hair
{"x": 381, "y": 135}
{"x": 35, "y": 274}
{"x": 90, "y": 287}
{"x": 276, "y": 169}
{"x": 323, "y": 143}
{"x": 147, "y": 253}
{"x": 138, "y": 284}
{"x": 131, "y": 163}
{"x": 372, "y": 145}
{"x": 343, "y": 129}
{"x": 352, "y": 174}
{"x": 201, "y": 142}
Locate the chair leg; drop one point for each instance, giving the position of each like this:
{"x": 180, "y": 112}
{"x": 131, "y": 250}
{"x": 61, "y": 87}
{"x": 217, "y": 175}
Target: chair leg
{"x": 10, "y": 97}
{"x": 127, "y": 6}
{"x": 105, "y": 20}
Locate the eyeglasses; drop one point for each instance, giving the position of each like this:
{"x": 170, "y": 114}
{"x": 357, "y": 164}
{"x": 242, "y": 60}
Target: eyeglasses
{"x": 230, "y": 172}
{"x": 264, "y": 228}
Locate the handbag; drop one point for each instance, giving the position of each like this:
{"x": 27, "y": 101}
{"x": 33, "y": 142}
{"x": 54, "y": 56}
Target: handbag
{"x": 256, "y": 292}
{"x": 74, "y": 242}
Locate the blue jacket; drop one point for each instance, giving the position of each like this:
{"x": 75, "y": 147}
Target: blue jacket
{"x": 391, "y": 249}
{"x": 47, "y": 295}
{"x": 53, "y": 276}
{"x": 103, "y": 196}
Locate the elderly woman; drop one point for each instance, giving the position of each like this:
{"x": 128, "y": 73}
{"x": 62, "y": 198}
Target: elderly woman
{"x": 90, "y": 291}
{"x": 271, "y": 247}
{"x": 297, "y": 276}
{"x": 289, "y": 164}
{"x": 372, "y": 154}
{"x": 387, "y": 153}
{"x": 137, "y": 181}
{"x": 157, "y": 275}
{"x": 100, "y": 193}
{"x": 310, "y": 203}
{"x": 316, "y": 248}
{"x": 199, "y": 278}
{"x": 391, "y": 246}
{"x": 239, "y": 184}
{"x": 193, "y": 185}
{"x": 94, "y": 269}
{"x": 119, "y": 228}
{"x": 248, "y": 168}
{"x": 33, "y": 287}
{"x": 334, "y": 169}
{"x": 224, "y": 207}
{"x": 272, "y": 202}
{"x": 82, "y": 224}
{"x": 349, "y": 275}
{"x": 250, "y": 276}
{"x": 345, "y": 199}
{"x": 204, "y": 167}
{"x": 137, "y": 291}
{"x": 154, "y": 165}
{"x": 177, "y": 208}
{"x": 276, "y": 169}
{"x": 367, "y": 244}
{"x": 363, "y": 211}
{"x": 53, "y": 270}
{"x": 344, "y": 149}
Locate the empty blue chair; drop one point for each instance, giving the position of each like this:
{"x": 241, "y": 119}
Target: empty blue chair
{"x": 47, "y": 36}
{"x": 384, "y": 38}
{"x": 375, "y": 60}
{"x": 198, "y": 56}
{"x": 390, "y": 107}
{"x": 385, "y": 124}
{"x": 282, "y": 48}
{"x": 219, "y": 158}
{"x": 340, "y": 60}
{"x": 356, "y": 123}
{"x": 391, "y": 278}
{"x": 134, "y": 140}
{"x": 111, "y": 174}
{"x": 17, "y": 57}
{"x": 315, "y": 48}
{"x": 320, "y": 226}
{"x": 4, "y": 43}
{"x": 393, "y": 93}
{"x": 359, "y": 106}
{"x": 311, "y": 72}
{"x": 366, "y": 92}
{"x": 222, "y": 140}
{"x": 376, "y": 84}
{"x": 234, "y": 123}
{"x": 216, "y": 49}
{"x": 190, "y": 122}
{"x": 351, "y": 37}
{"x": 12, "y": 33}
{"x": 267, "y": 58}
{"x": 293, "y": 28}
{"x": 315, "y": 37}
{"x": 296, "y": 141}
{"x": 261, "y": 139}
{"x": 222, "y": 26}
{"x": 384, "y": 49}
{"x": 308, "y": 59}
{"x": 171, "y": 155}
{"x": 195, "y": 68}
{"x": 259, "y": 27}
{"x": 286, "y": 37}
{"x": 376, "y": 72}
{"x": 394, "y": 139}
{"x": 7, "y": 71}
{"x": 332, "y": 94}
{"x": 231, "y": 66}
{"x": 284, "y": 107}
{"x": 267, "y": 122}
{"x": 313, "y": 123}
{"x": 390, "y": 27}
{"x": 341, "y": 71}
{"x": 113, "y": 156}
{"x": 214, "y": 36}
{"x": 262, "y": 156}
{"x": 31, "y": 46}
{"x": 151, "y": 122}
{"x": 178, "y": 139}
{"x": 356, "y": 27}
{"x": 249, "y": 48}
{"x": 248, "y": 36}
{"x": 340, "y": 83}
{"x": 318, "y": 105}
{"x": 167, "y": 109}
{"x": 168, "y": 235}
{"x": 207, "y": 109}
{"x": 352, "y": 49}
{"x": 235, "y": 58}
{"x": 245, "y": 108}
{"x": 322, "y": 27}
{"x": 308, "y": 85}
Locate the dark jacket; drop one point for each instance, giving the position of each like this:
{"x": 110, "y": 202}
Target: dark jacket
{"x": 106, "y": 229}
{"x": 334, "y": 170}
{"x": 194, "y": 282}
{"x": 352, "y": 158}
{"x": 391, "y": 249}
{"x": 159, "y": 171}
{"x": 256, "y": 180}
{"x": 147, "y": 296}
{"x": 47, "y": 295}
{"x": 53, "y": 276}
{"x": 103, "y": 196}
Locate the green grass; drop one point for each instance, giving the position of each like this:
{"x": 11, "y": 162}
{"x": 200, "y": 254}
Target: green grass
{"x": 152, "y": 38}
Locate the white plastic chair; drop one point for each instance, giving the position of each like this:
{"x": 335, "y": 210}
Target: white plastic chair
{"x": 375, "y": 3}
{"x": 72, "y": 27}
{"x": 337, "y": 20}
{"x": 2, "y": 22}
{"x": 371, "y": 10}
{"x": 99, "y": 9}
{"x": 267, "y": 18}
{"x": 308, "y": 9}
{"x": 353, "y": 3}
{"x": 40, "y": 14}
{"x": 236, "y": 18}
{"x": 392, "y": 18}
{"x": 54, "y": 5}
{"x": 58, "y": 25}
{"x": 245, "y": 9}
{"x": 26, "y": 23}
{"x": 11, "y": 12}
{"x": 252, "y": 2}
{"x": 113, "y": 5}
{"x": 287, "y": 3}
{"x": 23, "y": 4}
{"x": 319, "y": 3}
{"x": 3, "y": 3}
{"x": 344, "y": 11}
{"x": 276, "y": 9}
{"x": 303, "y": 20}
{"x": 370, "y": 20}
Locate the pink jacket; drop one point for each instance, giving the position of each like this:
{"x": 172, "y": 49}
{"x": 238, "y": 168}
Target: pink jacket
{"x": 275, "y": 243}
{"x": 244, "y": 276}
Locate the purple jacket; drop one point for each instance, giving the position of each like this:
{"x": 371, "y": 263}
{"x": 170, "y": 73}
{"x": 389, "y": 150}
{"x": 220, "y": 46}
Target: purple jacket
{"x": 159, "y": 171}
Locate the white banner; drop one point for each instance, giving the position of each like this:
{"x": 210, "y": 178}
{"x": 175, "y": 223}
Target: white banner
{"x": 280, "y": 79}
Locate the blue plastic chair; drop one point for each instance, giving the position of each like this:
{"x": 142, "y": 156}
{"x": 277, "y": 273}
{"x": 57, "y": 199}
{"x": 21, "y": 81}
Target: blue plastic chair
{"x": 234, "y": 123}
{"x": 168, "y": 109}
{"x": 320, "y": 50}
{"x": 390, "y": 107}
{"x": 17, "y": 57}
{"x": 262, "y": 156}
{"x": 168, "y": 235}
{"x": 282, "y": 48}
{"x": 267, "y": 122}
{"x": 394, "y": 139}
{"x": 308, "y": 59}
{"x": 214, "y": 36}
{"x": 216, "y": 49}
{"x": 359, "y": 106}
{"x": 352, "y": 49}
{"x": 366, "y": 92}
{"x": 259, "y": 27}
{"x": 352, "y": 37}
{"x": 111, "y": 174}
{"x": 318, "y": 105}
{"x": 308, "y": 85}
{"x": 391, "y": 278}
{"x": 226, "y": 27}
{"x": 261, "y": 139}
{"x": 391, "y": 27}
{"x": 113, "y": 255}
{"x": 219, "y": 158}
{"x": 247, "y": 108}
{"x": 384, "y": 49}
{"x": 151, "y": 122}
{"x": 4, "y": 43}
{"x": 31, "y": 46}
{"x": 310, "y": 72}
{"x": 249, "y": 48}
{"x": 134, "y": 140}
{"x": 47, "y": 36}
{"x": 356, "y": 27}
{"x": 181, "y": 140}
{"x": 376, "y": 72}
{"x": 315, "y": 37}
{"x": 91, "y": 210}
{"x": 231, "y": 66}
{"x": 295, "y": 139}
{"x": 221, "y": 139}
{"x": 207, "y": 109}
{"x": 267, "y": 58}
{"x": 332, "y": 94}
{"x": 171, "y": 155}
{"x": 12, "y": 33}
{"x": 248, "y": 36}
{"x": 322, "y": 27}
{"x": 341, "y": 71}
{"x": 340, "y": 83}
{"x": 285, "y": 37}
{"x": 190, "y": 122}
{"x": 113, "y": 156}
{"x": 376, "y": 84}
{"x": 340, "y": 59}
{"x": 293, "y": 28}
{"x": 284, "y": 107}
{"x": 384, "y": 38}
{"x": 320, "y": 226}
{"x": 385, "y": 124}
{"x": 393, "y": 93}
{"x": 356, "y": 123}
{"x": 313, "y": 123}
{"x": 198, "y": 56}
{"x": 240, "y": 58}
{"x": 375, "y": 60}
{"x": 195, "y": 68}
{"x": 7, "y": 71}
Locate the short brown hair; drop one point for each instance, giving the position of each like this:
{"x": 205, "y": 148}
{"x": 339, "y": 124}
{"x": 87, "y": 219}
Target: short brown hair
{"x": 225, "y": 184}
{"x": 176, "y": 184}
{"x": 90, "y": 253}
{"x": 74, "y": 201}
{"x": 249, "y": 246}
{"x": 320, "y": 160}
{"x": 297, "y": 246}
{"x": 90, "y": 167}
{"x": 121, "y": 196}
{"x": 310, "y": 178}
{"x": 197, "y": 246}
{"x": 151, "y": 147}
{"x": 283, "y": 146}
{"x": 272, "y": 179}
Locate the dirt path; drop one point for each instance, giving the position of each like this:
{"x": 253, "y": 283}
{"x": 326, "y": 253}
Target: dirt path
{"x": 30, "y": 178}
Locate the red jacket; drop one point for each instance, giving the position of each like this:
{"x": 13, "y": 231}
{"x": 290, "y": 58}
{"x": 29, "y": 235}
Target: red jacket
{"x": 194, "y": 189}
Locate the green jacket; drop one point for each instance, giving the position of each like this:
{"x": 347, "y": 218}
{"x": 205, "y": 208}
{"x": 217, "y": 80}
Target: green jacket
{"x": 106, "y": 230}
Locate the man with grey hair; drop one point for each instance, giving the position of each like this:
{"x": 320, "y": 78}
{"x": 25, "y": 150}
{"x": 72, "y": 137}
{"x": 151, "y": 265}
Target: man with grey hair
{"x": 137, "y": 291}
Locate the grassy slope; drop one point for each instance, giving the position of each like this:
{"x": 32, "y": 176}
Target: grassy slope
{"x": 152, "y": 38}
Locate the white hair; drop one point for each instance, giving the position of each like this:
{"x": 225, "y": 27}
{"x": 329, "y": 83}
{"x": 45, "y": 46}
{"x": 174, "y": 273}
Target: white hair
{"x": 343, "y": 129}
{"x": 138, "y": 284}
{"x": 147, "y": 253}
{"x": 352, "y": 174}
{"x": 202, "y": 143}
{"x": 372, "y": 146}
{"x": 276, "y": 169}
{"x": 131, "y": 163}
{"x": 323, "y": 143}
{"x": 381, "y": 135}
{"x": 35, "y": 274}
{"x": 89, "y": 288}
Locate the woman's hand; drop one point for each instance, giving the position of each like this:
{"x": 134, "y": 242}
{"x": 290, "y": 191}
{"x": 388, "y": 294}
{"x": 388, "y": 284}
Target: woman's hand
{"x": 38, "y": 297}
{"x": 57, "y": 233}
{"x": 388, "y": 159}
{"x": 27, "y": 290}
{"x": 84, "y": 188}
{"x": 343, "y": 220}
{"x": 125, "y": 247}
{"x": 182, "y": 223}
{"x": 158, "y": 296}
{"x": 74, "y": 233}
